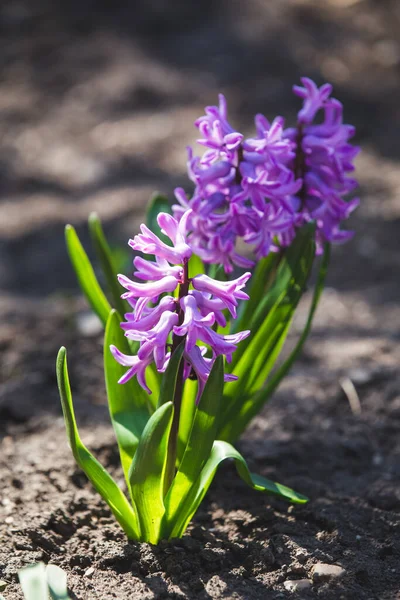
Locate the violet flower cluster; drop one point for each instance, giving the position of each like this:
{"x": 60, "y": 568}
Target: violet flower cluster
{"x": 262, "y": 189}
{"x": 160, "y": 320}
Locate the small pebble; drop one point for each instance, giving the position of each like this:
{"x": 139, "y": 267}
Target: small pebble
{"x": 297, "y": 585}
{"x": 324, "y": 572}
{"x": 3, "y": 585}
{"x": 89, "y": 572}
{"x": 88, "y": 324}
{"x": 301, "y": 555}
{"x": 377, "y": 460}
{"x": 360, "y": 376}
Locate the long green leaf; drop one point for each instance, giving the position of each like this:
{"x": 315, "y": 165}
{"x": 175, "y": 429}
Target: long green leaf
{"x": 188, "y": 410}
{"x": 147, "y": 472}
{"x": 104, "y": 255}
{"x": 291, "y": 276}
{"x": 200, "y": 442}
{"x": 57, "y": 582}
{"x": 33, "y": 581}
{"x": 259, "y": 283}
{"x": 264, "y": 346}
{"x": 285, "y": 310}
{"x": 252, "y": 405}
{"x": 86, "y": 277}
{"x": 128, "y": 402}
{"x": 100, "y": 479}
{"x": 168, "y": 382}
{"x": 220, "y": 452}
{"x": 294, "y": 266}
{"x": 319, "y": 286}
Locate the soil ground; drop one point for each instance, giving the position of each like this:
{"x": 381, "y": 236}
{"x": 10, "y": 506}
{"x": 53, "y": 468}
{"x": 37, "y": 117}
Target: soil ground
{"x": 97, "y": 101}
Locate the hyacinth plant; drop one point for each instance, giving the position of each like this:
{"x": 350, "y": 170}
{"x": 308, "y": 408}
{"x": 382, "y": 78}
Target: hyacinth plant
{"x": 195, "y": 358}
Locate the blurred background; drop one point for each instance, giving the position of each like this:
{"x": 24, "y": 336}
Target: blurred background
{"x": 97, "y": 103}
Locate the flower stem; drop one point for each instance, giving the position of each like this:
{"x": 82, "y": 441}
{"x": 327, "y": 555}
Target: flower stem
{"x": 300, "y": 162}
{"x": 176, "y": 340}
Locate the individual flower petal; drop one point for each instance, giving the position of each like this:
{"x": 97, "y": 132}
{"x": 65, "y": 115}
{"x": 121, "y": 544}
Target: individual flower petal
{"x": 167, "y": 303}
{"x": 202, "y": 366}
{"x": 314, "y": 98}
{"x": 149, "y": 243}
{"x": 227, "y": 291}
{"x": 136, "y": 366}
{"x": 150, "y": 289}
{"x": 147, "y": 269}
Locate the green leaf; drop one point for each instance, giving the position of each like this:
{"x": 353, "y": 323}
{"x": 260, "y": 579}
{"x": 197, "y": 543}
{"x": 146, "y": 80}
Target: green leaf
{"x": 259, "y": 283}
{"x": 256, "y": 356}
{"x": 261, "y": 397}
{"x": 57, "y": 582}
{"x": 158, "y": 203}
{"x": 251, "y": 405}
{"x": 86, "y": 277}
{"x": 168, "y": 382}
{"x": 154, "y": 380}
{"x": 295, "y": 264}
{"x": 293, "y": 271}
{"x": 100, "y": 479}
{"x": 147, "y": 473}
{"x": 128, "y": 402}
{"x": 188, "y": 410}
{"x": 33, "y": 581}
{"x": 106, "y": 261}
{"x": 200, "y": 442}
{"x": 261, "y": 345}
{"x": 220, "y": 452}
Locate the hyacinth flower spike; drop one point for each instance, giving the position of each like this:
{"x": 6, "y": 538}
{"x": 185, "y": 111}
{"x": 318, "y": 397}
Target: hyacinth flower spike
{"x": 163, "y": 322}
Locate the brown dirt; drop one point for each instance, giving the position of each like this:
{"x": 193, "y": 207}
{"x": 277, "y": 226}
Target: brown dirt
{"x": 96, "y": 106}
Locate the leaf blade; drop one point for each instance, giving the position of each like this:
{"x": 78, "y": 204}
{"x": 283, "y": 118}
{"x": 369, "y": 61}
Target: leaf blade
{"x": 221, "y": 451}
{"x": 251, "y": 406}
{"x": 257, "y": 287}
{"x": 98, "y": 476}
{"x": 147, "y": 472}
{"x": 127, "y": 403}
{"x": 34, "y": 582}
{"x": 86, "y": 276}
{"x": 273, "y": 383}
{"x": 57, "y": 582}
{"x": 253, "y": 362}
{"x": 200, "y": 442}
{"x": 105, "y": 257}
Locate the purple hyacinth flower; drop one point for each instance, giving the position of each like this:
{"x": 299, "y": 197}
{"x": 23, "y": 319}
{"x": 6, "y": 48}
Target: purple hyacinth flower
{"x": 314, "y": 98}
{"x": 202, "y": 365}
{"x": 149, "y": 243}
{"x": 159, "y": 324}
{"x": 238, "y": 180}
{"x": 325, "y": 157}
